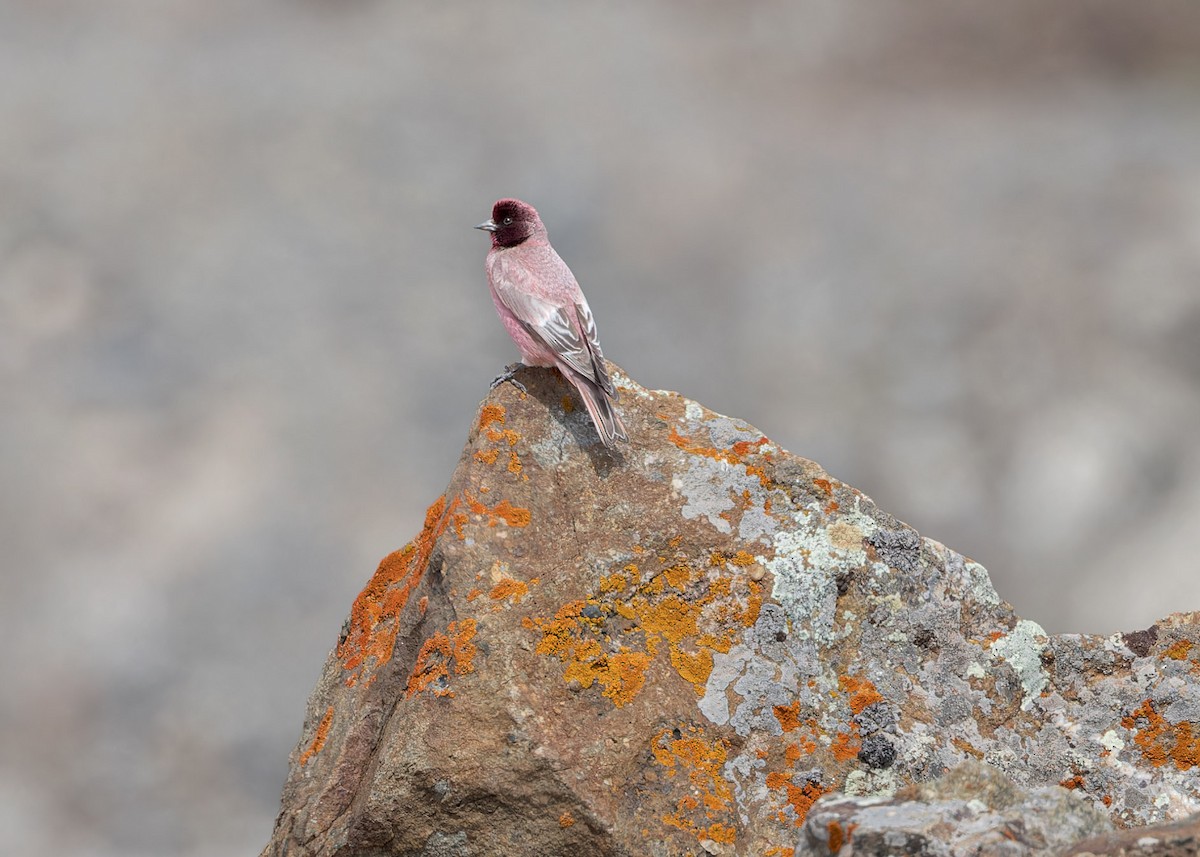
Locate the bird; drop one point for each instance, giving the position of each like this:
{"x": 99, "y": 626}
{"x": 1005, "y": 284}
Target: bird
{"x": 543, "y": 309}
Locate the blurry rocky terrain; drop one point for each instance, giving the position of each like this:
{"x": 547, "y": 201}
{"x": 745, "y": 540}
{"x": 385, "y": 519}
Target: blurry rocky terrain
{"x": 950, "y": 252}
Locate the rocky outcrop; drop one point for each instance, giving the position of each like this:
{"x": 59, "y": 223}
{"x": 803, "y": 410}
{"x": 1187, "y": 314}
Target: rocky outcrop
{"x": 680, "y": 647}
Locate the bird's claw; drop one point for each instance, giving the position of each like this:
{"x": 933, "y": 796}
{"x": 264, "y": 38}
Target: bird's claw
{"x": 507, "y": 375}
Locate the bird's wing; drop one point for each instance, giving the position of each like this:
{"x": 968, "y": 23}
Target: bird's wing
{"x": 567, "y": 327}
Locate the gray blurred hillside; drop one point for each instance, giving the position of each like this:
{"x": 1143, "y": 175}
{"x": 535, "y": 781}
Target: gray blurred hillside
{"x": 951, "y": 251}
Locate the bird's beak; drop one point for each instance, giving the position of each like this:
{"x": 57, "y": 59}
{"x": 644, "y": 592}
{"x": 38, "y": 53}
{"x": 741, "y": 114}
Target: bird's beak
{"x": 488, "y": 226}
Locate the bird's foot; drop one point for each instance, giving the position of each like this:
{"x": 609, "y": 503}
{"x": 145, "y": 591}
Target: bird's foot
{"x": 507, "y": 375}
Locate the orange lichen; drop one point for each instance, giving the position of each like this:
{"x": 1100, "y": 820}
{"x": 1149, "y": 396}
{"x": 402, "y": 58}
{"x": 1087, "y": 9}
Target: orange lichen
{"x": 846, "y": 745}
{"x": 508, "y": 436}
{"x": 695, "y": 668}
{"x": 792, "y": 754}
{"x": 725, "y": 833}
{"x": 566, "y": 820}
{"x": 700, "y": 811}
{"x": 827, "y": 486}
{"x": 777, "y": 780}
{"x": 489, "y": 414}
{"x": 678, "y": 576}
{"x": 1179, "y": 650}
{"x": 861, "y": 691}
{"x": 438, "y": 653}
{"x": 624, "y": 677}
{"x": 734, "y": 455}
{"x": 557, "y": 633}
{"x": 319, "y": 738}
{"x": 514, "y": 516}
{"x": 672, "y": 618}
{"x": 1160, "y": 741}
{"x": 509, "y": 588}
{"x": 1075, "y": 782}
{"x": 621, "y": 675}
{"x": 674, "y": 609}
{"x": 800, "y": 798}
{"x": 613, "y": 583}
{"x": 474, "y": 593}
{"x": 753, "y": 604}
{"x": 788, "y": 715}
{"x": 375, "y": 615}
{"x": 839, "y": 837}
{"x": 780, "y": 851}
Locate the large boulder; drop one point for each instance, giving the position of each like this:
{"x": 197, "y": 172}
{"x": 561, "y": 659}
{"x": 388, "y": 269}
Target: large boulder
{"x": 679, "y": 647}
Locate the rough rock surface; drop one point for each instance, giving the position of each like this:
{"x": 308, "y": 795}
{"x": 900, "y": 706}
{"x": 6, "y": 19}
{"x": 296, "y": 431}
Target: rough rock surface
{"x": 1170, "y": 839}
{"x": 679, "y": 648}
{"x": 973, "y": 810}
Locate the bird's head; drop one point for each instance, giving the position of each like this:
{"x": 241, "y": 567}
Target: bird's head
{"x": 512, "y": 222}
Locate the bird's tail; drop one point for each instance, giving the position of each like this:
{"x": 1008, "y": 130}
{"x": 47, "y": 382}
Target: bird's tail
{"x": 602, "y": 410}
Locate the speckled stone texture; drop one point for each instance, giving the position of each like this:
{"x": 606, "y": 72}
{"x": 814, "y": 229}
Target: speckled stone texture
{"x": 679, "y": 648}
{"x": 973, "y": 810}
{"x": 1170, "y": 839}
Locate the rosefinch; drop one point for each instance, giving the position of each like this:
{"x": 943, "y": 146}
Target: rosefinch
{"x": 545, "y": 312}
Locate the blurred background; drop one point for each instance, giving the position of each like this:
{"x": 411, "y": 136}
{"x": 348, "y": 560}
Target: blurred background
{"x": 949, "y": 250}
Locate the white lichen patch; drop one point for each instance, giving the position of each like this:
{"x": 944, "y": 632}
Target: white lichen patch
{"x": 1112, "y": 742}
{"x": 1022, "y": 647}
{"x": 727, "y": 668}
{"x": 981, "y": 584}
{"x": 708, "y": 488}
{"x": 808, "y": 559}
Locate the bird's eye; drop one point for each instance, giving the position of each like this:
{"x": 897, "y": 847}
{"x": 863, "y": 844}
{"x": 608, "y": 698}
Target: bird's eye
{"x": 507, "y": 221}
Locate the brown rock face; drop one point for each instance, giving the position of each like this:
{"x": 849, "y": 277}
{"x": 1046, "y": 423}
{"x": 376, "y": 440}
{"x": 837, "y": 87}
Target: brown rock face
{"x": 680, "y": 647}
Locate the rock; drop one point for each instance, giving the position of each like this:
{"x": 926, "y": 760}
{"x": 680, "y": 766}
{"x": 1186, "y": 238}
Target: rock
{"x": 973, "y": 810}
{"x": 1171, "y": 839}
{"x": 681, "y": 647}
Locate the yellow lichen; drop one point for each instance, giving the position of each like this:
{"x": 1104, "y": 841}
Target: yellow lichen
{"x": 678, "y": 576}
{"x": 695, "y": 668}
{"x": 707, "y": 806}
{"x": 690, "y": 613}
{"x": 1178, "y": 650}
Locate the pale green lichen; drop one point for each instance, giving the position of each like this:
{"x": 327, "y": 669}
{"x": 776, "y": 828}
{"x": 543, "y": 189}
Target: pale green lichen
{"x": 1022, "y": 647}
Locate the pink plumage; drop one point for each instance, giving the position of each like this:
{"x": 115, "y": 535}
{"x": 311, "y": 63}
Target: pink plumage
{"x": 544, "y": 310}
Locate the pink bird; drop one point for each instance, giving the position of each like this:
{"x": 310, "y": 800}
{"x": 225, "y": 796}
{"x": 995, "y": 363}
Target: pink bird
{"x": 545, "y": 312}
